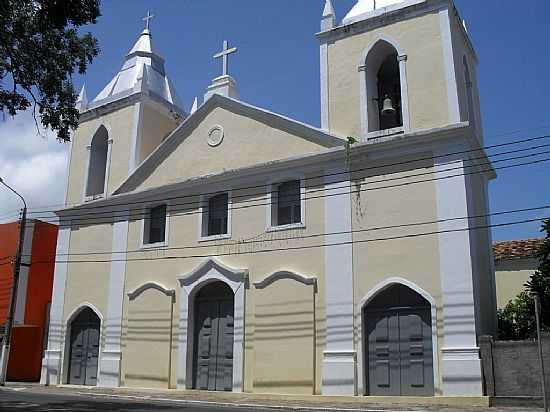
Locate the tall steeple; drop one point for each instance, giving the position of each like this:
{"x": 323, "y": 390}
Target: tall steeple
{"x": 329, "y": 16}
{"x": 142, "y": 72}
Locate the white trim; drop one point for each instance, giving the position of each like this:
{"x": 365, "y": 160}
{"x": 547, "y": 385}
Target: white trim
{"x": 212, "y": 269}
{"x": 460, "y": 376}
{"x": 137, "y": 129}
{"x": 273, "y": 183}
{"x": 324, "y": 75}
{"x": 203, "y": 208}
{"x": 113, "y": 328}
{"x": 85, "y": 197}
{"x": 144, "y": 216}
{"x": 67, "y": 337}
{"x": 51, "y": 364}
{"x": 339, "y": 358}
{"x": 450, "y": 71}
{"x": 136, "y": 293}
{"x": 385, "y": 284}
{"x": 363, "y": 92}
{"x": 22, "y": 285}
{"x": 286, "y": 274}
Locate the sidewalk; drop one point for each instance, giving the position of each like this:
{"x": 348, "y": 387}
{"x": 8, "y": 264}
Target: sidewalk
{"x": 295, "y": 403}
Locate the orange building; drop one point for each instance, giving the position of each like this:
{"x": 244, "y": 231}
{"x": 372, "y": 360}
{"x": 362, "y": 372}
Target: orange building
{"x": 33, "y": 296}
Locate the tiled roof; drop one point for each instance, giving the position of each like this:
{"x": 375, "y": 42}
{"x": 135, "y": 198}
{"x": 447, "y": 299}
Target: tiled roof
{"x": 517, "y": 249}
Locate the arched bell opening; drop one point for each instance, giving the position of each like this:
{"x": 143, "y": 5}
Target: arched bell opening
{"x": 97, "y": 164}
{"x": 213, "y": 337}
{"x": 383, "y": 82}
{"x": 398, "y": 346}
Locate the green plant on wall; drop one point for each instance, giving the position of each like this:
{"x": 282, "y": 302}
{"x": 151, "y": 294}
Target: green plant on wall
{"x": 517, "y": 319}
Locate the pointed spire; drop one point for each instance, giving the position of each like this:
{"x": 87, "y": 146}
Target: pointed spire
{"x": 82, "y": 101}
{"x": 329, "y": 16}
{"x": 195, "y": 105}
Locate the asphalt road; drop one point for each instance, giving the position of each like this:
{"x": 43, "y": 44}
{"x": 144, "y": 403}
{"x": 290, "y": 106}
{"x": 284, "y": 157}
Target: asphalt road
{"x": 14, "y": 400}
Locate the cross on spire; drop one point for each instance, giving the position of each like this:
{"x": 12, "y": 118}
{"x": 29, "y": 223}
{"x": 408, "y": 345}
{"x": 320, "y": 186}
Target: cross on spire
{"x": 224, "y": 55}
{"x": 147, "y": 19}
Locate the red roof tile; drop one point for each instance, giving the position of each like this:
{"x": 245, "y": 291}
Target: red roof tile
{"x": 517, "y": 249}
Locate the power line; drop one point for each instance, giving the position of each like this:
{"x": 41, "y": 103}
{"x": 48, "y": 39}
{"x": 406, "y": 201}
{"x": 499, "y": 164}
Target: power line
{"x": 107, "y": 216}
{"x": 252, "y": 241}
{"x": 415, "y": 235}
{"x": 346, "y": 172}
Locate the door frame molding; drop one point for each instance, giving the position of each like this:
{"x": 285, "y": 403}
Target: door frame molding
{"x": 209, "y": 271}
{"x": 67, "y": 344}
{"x": 362, "y": 356}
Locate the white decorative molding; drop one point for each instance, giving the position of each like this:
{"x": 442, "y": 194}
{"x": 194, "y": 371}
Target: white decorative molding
{"x": 51, "y": 363}
{"x": 362, "y": 355}
{"x": 339, "y": 372}
{"x": 151, "y": 285}
{"x": 112, "y": 353}
{"x": 85, "y": 197}
{"x": 364, "y": 87}
{"x": 460, "y": 376}
{"x": 450, "y": 71}
{"x": 209, "y": 271}
{"x": 286, "y": 274}
{"x": 215, "y": 136}
{"x": 137, "y": 128}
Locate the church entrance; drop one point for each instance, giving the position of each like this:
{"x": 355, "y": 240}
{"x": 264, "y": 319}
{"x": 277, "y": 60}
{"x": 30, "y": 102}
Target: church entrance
{"x": 213, "y": 338}
{"x": 398, "y": 339}
{"x": 84, "y": 349}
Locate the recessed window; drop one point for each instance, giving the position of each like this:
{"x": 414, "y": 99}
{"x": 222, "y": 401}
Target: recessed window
{"x": 155, "y": 225}
{"x": 97, "y": 164}
{"x": 286, "y": 204}
{"x": 216, "y": 217}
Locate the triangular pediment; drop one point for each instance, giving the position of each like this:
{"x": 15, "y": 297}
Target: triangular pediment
{"x": 226, "y": 134}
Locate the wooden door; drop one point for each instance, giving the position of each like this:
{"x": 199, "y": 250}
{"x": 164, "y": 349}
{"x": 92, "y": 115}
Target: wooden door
{"x": 84, "y": 349}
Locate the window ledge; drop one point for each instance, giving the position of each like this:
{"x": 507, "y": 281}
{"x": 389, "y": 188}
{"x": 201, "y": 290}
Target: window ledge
{"x": 154, "y": 245}
{"x": 93, "y": 197}
{"x": 286, "y": 227}
{"x": 385, "y": 133}
{"x": 214, "y": 237}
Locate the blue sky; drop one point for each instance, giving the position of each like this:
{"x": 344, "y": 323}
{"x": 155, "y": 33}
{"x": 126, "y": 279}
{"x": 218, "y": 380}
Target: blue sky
{"x": 277, "y": 67}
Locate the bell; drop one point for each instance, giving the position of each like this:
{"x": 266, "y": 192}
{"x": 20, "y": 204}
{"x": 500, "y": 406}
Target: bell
{"x": 387, "y": 107}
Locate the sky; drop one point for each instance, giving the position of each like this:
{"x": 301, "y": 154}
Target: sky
{"x": 277, "y": 67}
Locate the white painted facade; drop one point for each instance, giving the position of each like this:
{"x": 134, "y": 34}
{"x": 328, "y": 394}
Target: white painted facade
{"x": 351, "y": 240}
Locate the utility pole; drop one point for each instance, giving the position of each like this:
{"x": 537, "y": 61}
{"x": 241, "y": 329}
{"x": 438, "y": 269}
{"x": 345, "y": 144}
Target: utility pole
{"x": 5, "y": 354}
{"x": 539, "y": 339}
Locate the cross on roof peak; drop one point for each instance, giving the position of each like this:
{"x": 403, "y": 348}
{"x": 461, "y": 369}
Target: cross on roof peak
{"x": 224, "y": 55}
{"x": 147, "y": 19}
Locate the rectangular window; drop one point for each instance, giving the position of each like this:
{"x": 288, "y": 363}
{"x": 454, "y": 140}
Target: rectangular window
{"x": 155, "y": 231}
{"x": 288, "y": 203}
{"x": 218, "y": 209}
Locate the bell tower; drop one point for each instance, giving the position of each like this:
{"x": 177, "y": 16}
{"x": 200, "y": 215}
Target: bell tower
{"x": 124, "y": 124}
{"x": 397, "y": 66}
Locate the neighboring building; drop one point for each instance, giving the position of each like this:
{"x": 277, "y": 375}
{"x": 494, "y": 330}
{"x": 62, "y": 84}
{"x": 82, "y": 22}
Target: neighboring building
{"x": 232, "y": 248}
{"x": 34, "y": 294}
{"x": 515, "y": 262}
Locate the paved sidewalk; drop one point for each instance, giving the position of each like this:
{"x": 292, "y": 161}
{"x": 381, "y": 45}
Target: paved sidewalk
{"x": 258, "y": 402}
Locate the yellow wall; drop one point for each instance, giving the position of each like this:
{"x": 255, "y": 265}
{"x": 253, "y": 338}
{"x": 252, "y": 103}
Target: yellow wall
{"x": 511, "y": 277}
{"x": 156, "y": 127}
{"x": 420, "y": 38}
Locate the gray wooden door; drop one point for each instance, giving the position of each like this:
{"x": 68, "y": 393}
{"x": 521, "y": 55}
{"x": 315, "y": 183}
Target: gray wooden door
{"x": 399, "y": 344}
{"x": 84, "y": 349}
{"x": 213, "y": 348}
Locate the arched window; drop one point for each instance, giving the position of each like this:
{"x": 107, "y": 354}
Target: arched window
{"x": 469, "y": 93}
{"x": 383, "y": 83}
{"x": 97, "y": 166}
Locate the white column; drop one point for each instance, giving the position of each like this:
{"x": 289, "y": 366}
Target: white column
{"x": 112, "y": 354}
{"x": 461, "y": 365}
{"x": 325, "y": 119}
{"x": 450, "y": 72}
{"x": 51, "y": 364}
{"x": 339, "y": 356}
{"x": 402, "y": 59}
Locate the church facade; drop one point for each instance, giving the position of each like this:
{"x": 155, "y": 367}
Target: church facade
{"x": 230, "y": 248}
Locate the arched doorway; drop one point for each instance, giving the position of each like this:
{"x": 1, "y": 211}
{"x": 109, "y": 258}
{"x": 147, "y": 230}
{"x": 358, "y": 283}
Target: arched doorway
{"x": 213, "y": 338}
{"x": 84, "y": 348}
{"x": 398, "y": 343}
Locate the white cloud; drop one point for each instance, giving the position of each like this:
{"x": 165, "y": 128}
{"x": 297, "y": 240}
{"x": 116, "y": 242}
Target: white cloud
{"x": 33, "y": 164}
